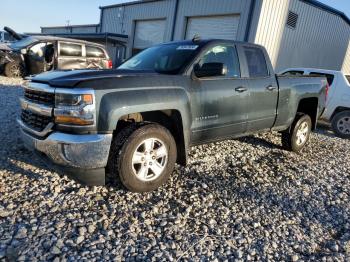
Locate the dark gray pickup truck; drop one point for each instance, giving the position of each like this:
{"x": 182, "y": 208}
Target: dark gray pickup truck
{"x": 137, "y": 121}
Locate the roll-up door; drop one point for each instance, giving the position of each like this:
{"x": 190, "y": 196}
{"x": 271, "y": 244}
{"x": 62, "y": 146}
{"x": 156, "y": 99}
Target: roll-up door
{"x": 148, "y": 33}
{"x": 217, "y": 27}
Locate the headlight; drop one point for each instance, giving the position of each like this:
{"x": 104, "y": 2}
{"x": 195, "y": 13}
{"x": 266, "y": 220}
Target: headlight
{"x": 74, "y": 109}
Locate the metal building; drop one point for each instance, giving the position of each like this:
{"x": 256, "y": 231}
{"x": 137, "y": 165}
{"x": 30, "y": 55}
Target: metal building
{"x": 296, "y": 33}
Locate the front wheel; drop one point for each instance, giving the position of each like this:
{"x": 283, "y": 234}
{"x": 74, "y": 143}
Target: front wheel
{"x": 144, "y": 156}
{"x": 14, "y": 69}
{"x": 341, "y": 124}
{"x": 298, "y": 135}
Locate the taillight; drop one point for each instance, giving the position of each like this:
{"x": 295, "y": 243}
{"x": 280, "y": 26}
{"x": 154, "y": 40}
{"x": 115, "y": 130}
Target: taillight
{"x": 110, "y": 64}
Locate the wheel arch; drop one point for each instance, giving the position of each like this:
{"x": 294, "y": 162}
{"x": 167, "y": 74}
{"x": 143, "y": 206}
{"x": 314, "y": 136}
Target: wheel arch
{"x": 339, "y": 109}
{"x": 309, "y": 106}
{"x": 171, "y": 119}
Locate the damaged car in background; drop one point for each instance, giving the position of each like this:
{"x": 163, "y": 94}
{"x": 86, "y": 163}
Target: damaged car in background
{"x": 31, "y": 55}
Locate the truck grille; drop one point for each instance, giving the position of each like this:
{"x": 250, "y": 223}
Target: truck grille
{"x": 40, "y": 97}
{"x": 35, "y": 121}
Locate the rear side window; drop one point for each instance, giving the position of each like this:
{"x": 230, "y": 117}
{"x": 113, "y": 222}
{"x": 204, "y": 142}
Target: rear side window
{"x": 71, "y": 49}
{"x": 257, "y": 66}
{"x": 330, "y": 78}
{"x": 293, "y": 73}
{"x": 348, "y": 78}
{"x": 92, "y": 51}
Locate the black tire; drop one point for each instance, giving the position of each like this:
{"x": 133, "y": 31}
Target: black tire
{"x": 126, "y": 143}
{"x": 337, "y": 120}
{"x": 290, "y": 139}
{"x": 14, "y": 69}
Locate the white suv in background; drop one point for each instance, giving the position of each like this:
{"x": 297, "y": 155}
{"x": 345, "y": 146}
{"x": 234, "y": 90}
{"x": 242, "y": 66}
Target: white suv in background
{"x": 338, "y": 103}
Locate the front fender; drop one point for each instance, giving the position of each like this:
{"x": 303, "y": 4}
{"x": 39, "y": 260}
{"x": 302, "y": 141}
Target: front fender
{"x": 119, "y": 103}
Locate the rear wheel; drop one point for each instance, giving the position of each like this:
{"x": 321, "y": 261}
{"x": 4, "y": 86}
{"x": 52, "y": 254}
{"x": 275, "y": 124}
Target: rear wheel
{"x": 14, "y": 69}
{"x": 143, "y": 156}
{"x": 341, "y": 124}
{"x": 297, "y": 137}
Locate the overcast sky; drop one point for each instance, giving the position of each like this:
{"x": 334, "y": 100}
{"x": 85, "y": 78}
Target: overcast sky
{"x": 29, "y": 15}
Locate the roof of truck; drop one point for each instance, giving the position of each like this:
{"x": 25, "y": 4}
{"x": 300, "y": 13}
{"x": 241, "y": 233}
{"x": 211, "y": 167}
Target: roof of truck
{"x": 55, "y": 38}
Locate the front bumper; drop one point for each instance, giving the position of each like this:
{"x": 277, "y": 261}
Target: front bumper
{"x": 75, "y": 154}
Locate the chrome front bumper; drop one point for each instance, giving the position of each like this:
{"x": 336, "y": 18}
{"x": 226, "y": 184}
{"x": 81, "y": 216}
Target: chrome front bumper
{"x": 75, "y": 151}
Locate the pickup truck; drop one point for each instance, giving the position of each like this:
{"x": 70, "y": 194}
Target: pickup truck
{"x": 137, "y": 121}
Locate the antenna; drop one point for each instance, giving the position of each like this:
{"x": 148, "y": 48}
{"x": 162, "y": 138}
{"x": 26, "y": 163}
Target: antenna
{"x": 67, "y": 22}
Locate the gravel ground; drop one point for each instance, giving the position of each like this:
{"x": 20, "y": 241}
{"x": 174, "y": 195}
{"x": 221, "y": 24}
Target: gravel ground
{"x": 243, "y": 199}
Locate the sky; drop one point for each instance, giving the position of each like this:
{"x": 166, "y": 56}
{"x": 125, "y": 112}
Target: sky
{"x": 29, "y": 15}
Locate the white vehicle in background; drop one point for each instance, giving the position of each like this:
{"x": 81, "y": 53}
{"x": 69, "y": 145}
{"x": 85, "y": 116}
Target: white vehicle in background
{"x": 338, "y": 103}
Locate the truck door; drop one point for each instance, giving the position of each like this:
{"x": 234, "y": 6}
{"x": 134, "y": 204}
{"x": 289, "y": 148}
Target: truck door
{"x": 219, "y": 103}
{"x": 70, "y": 56}
{"x": 263, "y": 88}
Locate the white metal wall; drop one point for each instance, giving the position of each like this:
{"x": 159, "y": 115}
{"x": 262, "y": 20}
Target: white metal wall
{"x": 346, "y": 64}
{"x": 270, "y": 26}
{"x": 320, "y": 39}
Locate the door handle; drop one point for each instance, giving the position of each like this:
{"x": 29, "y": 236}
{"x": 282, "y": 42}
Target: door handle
{"x": 271, "y": 88}
{"x": 241, "y": 89}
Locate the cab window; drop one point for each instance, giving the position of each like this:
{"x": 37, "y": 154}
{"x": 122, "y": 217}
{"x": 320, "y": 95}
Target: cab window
{"x": 96, "y": 52}
{"x": 257, "y": 66}
{"x": 330, "y": 78}
{"x": 68, "y": 49}
{"x": 226, "y": 55}
{"x": 348, "y": 78}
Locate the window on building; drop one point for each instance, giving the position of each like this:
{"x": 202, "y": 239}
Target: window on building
{"x": 71, "y": 49}
{"x": 257, "y": 66}
{"x": 292, "y": 20}
{"x": 93, "y": 51}
{"x": 330, "y": 78}
{"x": 226, "y": 55}
{"x": 293, "y": 73}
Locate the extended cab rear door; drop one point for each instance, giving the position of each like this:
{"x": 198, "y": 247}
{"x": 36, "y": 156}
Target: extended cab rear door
{"x": 262, "y": 87}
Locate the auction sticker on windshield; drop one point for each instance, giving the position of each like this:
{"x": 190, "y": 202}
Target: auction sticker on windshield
{"x": 187, "y": 47}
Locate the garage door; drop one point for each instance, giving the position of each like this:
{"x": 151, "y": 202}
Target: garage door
{"x": 148, "y": 33}
{"x": 219, "y": 27}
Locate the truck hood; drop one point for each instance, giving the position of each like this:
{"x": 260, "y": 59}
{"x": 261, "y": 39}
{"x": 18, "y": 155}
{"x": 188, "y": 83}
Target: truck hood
{"x": 72, "y": 78}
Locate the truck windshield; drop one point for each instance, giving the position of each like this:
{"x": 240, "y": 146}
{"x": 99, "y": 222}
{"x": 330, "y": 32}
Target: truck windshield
{"x": 164, "y": 59}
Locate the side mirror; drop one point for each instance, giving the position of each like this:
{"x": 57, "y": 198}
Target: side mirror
{"x": 210, "y": 69}
{"x": 23, "y": 51}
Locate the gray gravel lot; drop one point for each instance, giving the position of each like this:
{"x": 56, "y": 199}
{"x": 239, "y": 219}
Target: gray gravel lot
{"x": 243, "y": 199}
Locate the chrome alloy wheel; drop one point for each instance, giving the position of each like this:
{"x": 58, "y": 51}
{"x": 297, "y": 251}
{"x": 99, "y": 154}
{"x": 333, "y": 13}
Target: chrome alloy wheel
{"x": 149, "y": 159}
{"x": 344, "y": 125}
{"x": 302, "y": 134}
